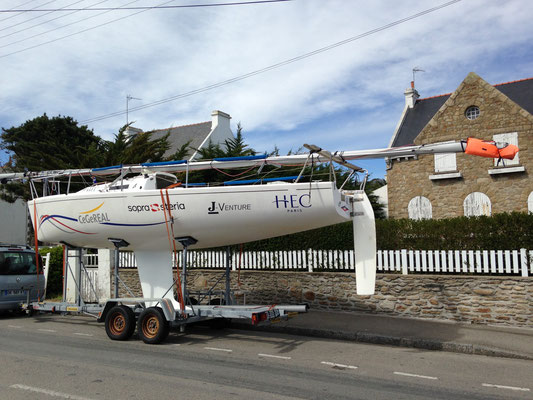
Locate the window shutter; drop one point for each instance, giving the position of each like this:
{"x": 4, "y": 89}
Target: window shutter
{"x": 445, "y": 162}
{"x": 420, "y": 208}
{"x": 477, "y": 204}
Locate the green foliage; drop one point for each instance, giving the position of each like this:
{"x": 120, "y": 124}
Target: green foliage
{"x": 48, "y": 143}
{"x": 56, "y": 143}
{"x": 51, "y": 143}
{"x": 55, "y": 274}
{"x": 236, "y": 147}
{"x": 499, "y": 232}
{"x": 136, "y": 149}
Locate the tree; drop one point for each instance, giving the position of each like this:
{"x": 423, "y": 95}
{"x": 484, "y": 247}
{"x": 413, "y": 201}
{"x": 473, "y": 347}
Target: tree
{"x": 51, "y": 143}
{"x": 135, "y": 149}
{"x": 45, "y": 143}
{"x": 236, "y": 147}
{"x": 57, "y": 143}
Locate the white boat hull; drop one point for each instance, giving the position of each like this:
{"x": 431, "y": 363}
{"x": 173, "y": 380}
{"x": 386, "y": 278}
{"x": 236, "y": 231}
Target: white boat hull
{"x": 214, "y": 216}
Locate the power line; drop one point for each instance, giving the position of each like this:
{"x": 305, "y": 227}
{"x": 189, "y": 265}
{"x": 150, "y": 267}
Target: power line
{"x": 72, "y": 34}
{"x": 31, "y": 19}
{"x": 15, "y": 10}
{"x": 64, "y": 26}
{"x": 236, "y": 3}
{"x": 141, "y": 10}
{"x": 274, "y": 66}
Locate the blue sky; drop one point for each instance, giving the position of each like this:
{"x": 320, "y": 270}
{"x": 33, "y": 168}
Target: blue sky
{"x": 347, "y": 98}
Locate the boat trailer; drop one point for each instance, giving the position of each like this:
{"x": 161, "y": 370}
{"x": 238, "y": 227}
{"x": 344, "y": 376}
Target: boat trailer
{"x": 155, "y": 317}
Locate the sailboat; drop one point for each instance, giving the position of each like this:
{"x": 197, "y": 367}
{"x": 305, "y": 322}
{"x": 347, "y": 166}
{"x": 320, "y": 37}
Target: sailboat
{"x": 147, "y": 208}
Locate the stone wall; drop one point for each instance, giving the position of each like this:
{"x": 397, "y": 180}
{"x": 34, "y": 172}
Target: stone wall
{"x": 498, "y": 114}
{"x": 480, "y": 300}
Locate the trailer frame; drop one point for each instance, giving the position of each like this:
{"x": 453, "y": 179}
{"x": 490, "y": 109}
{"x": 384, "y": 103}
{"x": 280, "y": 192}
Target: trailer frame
{"x": 154, "y": 317}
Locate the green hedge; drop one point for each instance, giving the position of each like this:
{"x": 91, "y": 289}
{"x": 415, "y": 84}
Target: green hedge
{"x": 499, "y": 232}
{"x": 54, "y": 286}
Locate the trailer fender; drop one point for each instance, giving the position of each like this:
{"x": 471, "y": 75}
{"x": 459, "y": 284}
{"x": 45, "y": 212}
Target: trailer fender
{"x": 102, "y": 314}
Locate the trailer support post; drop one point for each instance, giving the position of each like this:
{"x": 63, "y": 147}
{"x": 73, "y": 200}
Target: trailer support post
{"x": 185, "y": 241}
{"x": 228, "y": 269}
{"x": 65, "y": 272}
{"x": 118, "y": 243}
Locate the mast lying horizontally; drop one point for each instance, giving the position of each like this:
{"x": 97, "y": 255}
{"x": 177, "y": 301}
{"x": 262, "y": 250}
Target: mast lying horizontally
{"x": 472, "y": 146}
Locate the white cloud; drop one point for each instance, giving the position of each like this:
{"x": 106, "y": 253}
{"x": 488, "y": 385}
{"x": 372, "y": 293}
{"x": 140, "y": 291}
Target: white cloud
{"x": 355, "y": 89}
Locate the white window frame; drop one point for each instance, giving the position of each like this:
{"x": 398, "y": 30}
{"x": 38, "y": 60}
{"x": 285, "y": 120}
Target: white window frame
{"x": 420, "y": 208}
{"x": 511, "y": 138}
{"x": 530, "y": 203}
{"x": 477, "y": 204}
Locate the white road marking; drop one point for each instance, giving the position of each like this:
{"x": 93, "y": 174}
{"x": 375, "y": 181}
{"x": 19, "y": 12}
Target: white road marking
{"x": 14, "y": 326}
{"x": 273, "y": 356}
{"x": 335, "y": 365}
{"x": 46, "y": 330}
{"x": 522, "y": 389}
{"x": 415, "y": 375}
{"x": 83, "y": 334}
{"x": 218, "y": 349}
{"x": 48, "y": 392}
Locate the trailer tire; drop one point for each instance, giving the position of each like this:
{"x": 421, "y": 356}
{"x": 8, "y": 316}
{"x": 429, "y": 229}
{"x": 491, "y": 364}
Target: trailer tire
{"x": 152, "y": 326}
{"x": 120, "y": 323}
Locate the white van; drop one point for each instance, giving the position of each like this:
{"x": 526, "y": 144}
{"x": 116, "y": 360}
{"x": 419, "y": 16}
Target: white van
{"x": 19, "y": 280}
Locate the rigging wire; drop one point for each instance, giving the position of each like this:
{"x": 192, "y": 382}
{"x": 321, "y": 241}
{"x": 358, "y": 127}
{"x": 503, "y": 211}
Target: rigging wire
{"x": 273, "y": 66}
{"x": 161, "y": 7}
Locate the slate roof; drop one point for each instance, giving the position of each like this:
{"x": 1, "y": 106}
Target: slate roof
{"x": 416, "y": 118}
{"x": 179, "y": 135}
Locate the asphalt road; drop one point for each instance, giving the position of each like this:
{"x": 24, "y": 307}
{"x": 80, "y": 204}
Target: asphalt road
{"x": 72, "y": 358}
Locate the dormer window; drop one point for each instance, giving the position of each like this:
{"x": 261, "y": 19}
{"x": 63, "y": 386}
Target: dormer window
{"x": 472, "y": 113}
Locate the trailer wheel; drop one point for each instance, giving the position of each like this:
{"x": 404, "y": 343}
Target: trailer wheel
{"x": 152, "y": 326}
{"x": 120, "y": 323}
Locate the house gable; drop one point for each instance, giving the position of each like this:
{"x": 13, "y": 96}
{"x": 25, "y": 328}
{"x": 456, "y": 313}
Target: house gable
{"x": 450, "y": 123}
{"x": 505, "y": 113}
{"x": 194, "y": 136}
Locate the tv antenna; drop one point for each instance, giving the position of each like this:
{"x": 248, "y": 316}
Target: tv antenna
{"x": 415, "y": 70}
{"x": 128, "y": 98}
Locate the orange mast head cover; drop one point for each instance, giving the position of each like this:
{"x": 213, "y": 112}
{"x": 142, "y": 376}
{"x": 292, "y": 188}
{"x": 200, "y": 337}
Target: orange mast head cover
{"x": 509, "y": 151}
{"x": 489, "y": 149}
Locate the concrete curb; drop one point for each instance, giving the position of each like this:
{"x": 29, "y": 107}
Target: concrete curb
{"x": 376, "y": 338}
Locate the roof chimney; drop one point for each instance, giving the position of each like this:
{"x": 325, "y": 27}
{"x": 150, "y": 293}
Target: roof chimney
{"x": 131, "y": 131}
{"x": 411, "y": 95}
{"x": 220, "y": 119}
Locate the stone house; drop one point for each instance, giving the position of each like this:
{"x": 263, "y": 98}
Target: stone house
{"x": 450, "y": 185}
{"x": 196, "y": 135}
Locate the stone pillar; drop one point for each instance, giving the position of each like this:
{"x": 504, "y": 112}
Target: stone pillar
{"x": 106, "y": 264}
